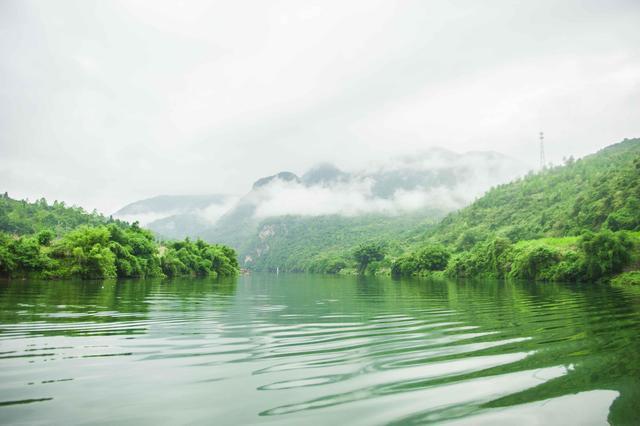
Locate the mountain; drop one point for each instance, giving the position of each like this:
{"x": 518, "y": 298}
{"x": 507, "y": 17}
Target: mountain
{"x": 282, "y": 176}
{"x": 599, "y": 190}
{"x": 177, "y": 216}
{"x": 285, "y": 220}
{"x": 299, "y": 243}
{"x": 576, "y": 222}
{"x": 324, "y": 174}
{"x": 171, "y": 203}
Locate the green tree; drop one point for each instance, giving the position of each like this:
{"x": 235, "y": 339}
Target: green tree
{"x": 605, "y": 253}
{"x": 530, "y": 262}
{"x": 45, "y": 237}
{"x": 433, "y": 257}
{"x": 366, "y": 253}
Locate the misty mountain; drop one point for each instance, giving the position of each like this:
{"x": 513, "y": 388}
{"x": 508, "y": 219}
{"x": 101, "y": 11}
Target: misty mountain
{"x": 177, "y": 216}
{"x": 328, "y": 208}
{"x": 324, "y": 174}
{"x": 331, "y": 209}
{"x": 282, "y": 176}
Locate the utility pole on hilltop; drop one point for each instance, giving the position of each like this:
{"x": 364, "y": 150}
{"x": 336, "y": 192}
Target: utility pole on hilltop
{"x": 543, "y": 161}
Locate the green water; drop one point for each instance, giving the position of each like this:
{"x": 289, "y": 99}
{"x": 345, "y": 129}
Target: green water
{"x": 295, "y": 349}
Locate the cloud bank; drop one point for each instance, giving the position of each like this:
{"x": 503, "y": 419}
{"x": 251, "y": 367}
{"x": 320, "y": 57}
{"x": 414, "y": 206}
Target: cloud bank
{"x": 438, "y": 179}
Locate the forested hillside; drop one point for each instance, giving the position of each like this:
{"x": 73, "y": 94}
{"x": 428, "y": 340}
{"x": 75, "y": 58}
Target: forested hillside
{"x": 55, "y": 241}
{"x": 22, "y": 217}
{"x": 600, "y": 190}
{"x": 574, "y": 222}
{"x": 323, "y": 243}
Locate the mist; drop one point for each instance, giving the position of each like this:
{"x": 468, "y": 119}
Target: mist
{"x": 436, "y": 179}
{"x": 106, "y": 103}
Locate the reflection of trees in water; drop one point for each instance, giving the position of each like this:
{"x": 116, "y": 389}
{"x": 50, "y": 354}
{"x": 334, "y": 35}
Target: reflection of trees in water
{"x": 591, "y": 329}
{"x": 25, "y": 301}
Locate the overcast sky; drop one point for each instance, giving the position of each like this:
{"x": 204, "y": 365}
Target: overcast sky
{"x": 106, "y": 102}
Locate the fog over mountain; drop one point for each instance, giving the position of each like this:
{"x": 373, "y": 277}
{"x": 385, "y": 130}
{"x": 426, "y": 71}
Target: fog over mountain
{"x": 433, "y": 179}
{"x": 437, "y": 180}
{"x": 162, "y": 206}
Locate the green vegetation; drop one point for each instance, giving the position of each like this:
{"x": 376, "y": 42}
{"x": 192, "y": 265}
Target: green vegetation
{"x": 20, "y": 217}
{"x": 325, "y": 244}
{"x": 198, "y": 258}
{"x": 576, "y": 222}
{"x": 367, "y": 253}
{"x": 91, "y": 247}
{"x": 627, "y": 279}
{"x": 569, "y": 223}
{"x": 589, "y": 257}
{"x": 599, "y": 191}
{"x": 432, "y": 257}
{"x": 573, "y": 222}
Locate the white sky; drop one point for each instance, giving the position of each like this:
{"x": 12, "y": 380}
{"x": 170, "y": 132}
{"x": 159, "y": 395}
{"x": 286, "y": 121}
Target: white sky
{"x": 104, "y": 102}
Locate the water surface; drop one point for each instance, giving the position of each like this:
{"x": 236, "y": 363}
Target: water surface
{"x": 296, "y": 349}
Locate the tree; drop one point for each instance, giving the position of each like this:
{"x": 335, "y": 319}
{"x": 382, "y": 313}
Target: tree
{"x": 366, "y": 253}
{"x": 529, "y": 263}
{"x": 45, "y": 237}
{"x": 433, "y": 257}
{"x": 605, "y": 253}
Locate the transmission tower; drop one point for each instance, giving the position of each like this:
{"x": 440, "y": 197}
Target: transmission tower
{"x": 543, "y": 161}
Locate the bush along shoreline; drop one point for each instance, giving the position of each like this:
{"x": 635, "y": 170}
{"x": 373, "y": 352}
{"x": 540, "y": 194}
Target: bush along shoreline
{"x": 593, "y": 256}
{"x": 114, "y": 250}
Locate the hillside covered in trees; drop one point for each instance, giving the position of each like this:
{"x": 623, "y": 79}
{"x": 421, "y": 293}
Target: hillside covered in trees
{"x": 575, "y": 222}
{"x": 599, "y": 191}
{"x": 56, "y": 241}
{"x": 21, "y": 217}
{"x": 323, "y": 243}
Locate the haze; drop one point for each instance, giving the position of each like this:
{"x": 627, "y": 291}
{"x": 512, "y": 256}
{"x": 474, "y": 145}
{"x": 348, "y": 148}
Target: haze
{"x": 103, "y": 103}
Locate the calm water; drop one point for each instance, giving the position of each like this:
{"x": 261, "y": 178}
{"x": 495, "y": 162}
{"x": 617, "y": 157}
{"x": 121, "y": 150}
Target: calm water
{"x": 294, "y": 349}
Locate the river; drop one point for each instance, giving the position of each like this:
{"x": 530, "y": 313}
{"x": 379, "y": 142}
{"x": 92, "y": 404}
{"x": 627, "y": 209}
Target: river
{"x": 306, "y": 349}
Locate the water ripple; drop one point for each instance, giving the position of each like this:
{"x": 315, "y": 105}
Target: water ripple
{"x": 314, "y": 351}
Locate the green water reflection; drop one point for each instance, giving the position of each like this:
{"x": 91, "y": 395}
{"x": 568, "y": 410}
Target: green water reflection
{"x": 315, "y": 349}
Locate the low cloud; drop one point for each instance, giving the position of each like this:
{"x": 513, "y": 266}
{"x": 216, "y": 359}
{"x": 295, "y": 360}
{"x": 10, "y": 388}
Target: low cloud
{"x": 438, "y": 179}
{"x": 287, "y": 198}
{"x": 213, "y": 212}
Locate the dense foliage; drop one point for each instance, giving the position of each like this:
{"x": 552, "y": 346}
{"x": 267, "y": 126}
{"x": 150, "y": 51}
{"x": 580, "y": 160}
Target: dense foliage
{"x": 431, "y": 257}
{"x": 325, "y": 244}
{"x": 569, "y": 223}
{"x": 627, "y": 279}
{"x": 576, "y": 222}
{"x": 199, "y": 258}
{"x": 96, "y": 248}
{"x": 599, "y": 191}
{"x": 21, "y": 217}
{"x": 367, "y": 253}
{"x": 589, "y": 257}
